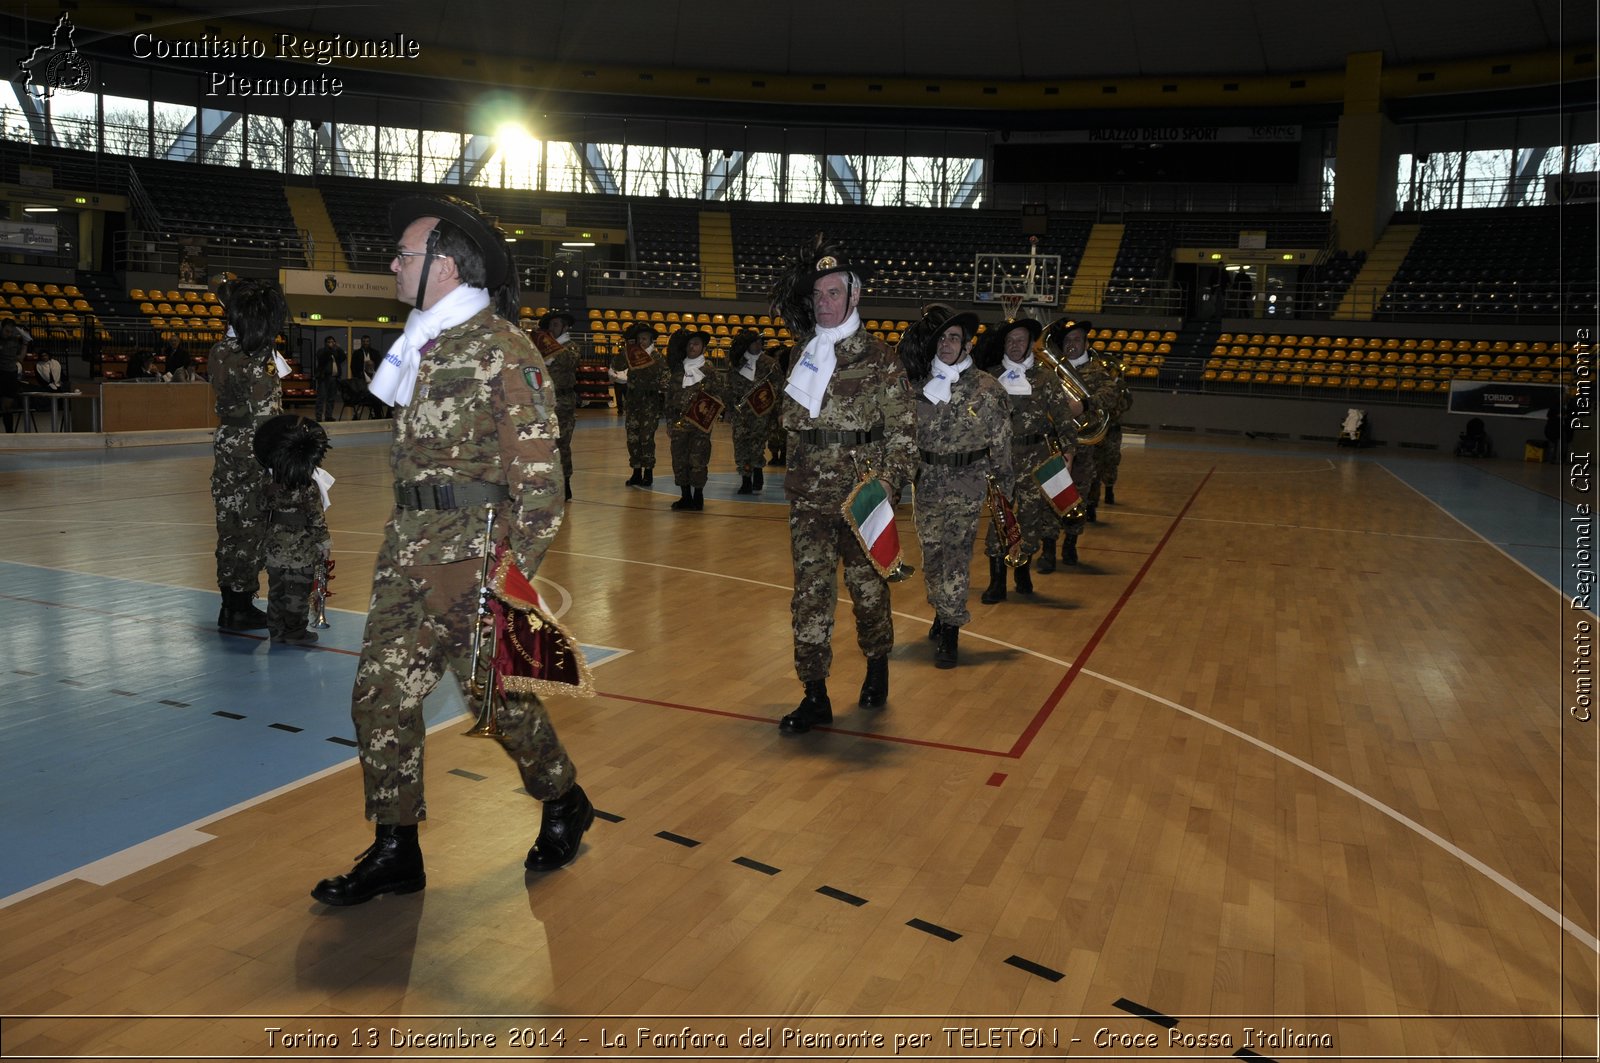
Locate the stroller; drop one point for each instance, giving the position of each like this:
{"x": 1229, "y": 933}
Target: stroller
{"x": 1353, "y": 429}
{"x": 1474, "y": 441}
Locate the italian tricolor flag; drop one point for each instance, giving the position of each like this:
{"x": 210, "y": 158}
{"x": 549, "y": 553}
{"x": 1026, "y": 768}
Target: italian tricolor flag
{"x": 870, "y": 511}
{"x": 1055, "y": 480}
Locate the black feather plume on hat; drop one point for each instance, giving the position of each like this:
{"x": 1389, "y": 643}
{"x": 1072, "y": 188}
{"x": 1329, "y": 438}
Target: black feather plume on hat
{"x": 291, "y": 447}
{"x": 791, "y": 292}
{"x": 919, "y": 343}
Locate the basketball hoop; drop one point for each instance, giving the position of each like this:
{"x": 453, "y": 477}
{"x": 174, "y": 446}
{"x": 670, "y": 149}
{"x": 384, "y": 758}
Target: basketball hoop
{"x": 1011, "y": 303}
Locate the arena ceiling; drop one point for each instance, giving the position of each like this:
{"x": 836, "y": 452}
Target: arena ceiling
{"x": 728, "y": 56}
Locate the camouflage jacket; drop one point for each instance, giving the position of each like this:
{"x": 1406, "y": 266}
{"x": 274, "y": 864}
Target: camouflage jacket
{"x": 1101, "y": 381}
{"x": 1122, "y": 400}
{"x": 646, "y": 378}
{"x": 245, "y": 385}
{"x": 297, "y": 545}
{"x": 868, "y": 391}
{"x": 679, "y": 397}
{"x": 482, "y": 411}
{"x": 1044, "y": 413}
{"x": 737, "y": 387}
{"x": 977, "y": 417}
{"x": 561, "y": 359}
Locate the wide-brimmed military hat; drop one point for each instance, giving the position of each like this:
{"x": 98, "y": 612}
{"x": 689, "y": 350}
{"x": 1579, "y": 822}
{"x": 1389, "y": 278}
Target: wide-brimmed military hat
{"x": 639, "y": 328}
{"x": 1033, "y": 326}
{"x": 940, "y": 318}
{"x": 565, "y": 315}
{"x": 1057, "y": 330}
{"x": 479, "y": 227}
{"x": 742, "y": 343}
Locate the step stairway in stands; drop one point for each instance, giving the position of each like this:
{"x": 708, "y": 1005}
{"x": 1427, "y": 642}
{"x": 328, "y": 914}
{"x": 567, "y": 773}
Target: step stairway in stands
{"x": 1094, "y": 269}
{"x": 1184, "y": 367}
{"x": 1364, "y": 293}
{"x": 323, "y": 250}
{"x": 716, "y": 255}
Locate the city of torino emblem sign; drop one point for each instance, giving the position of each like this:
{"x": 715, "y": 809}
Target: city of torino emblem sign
{"x": 331, "y": 283}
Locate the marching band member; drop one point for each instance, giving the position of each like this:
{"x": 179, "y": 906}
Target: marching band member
{"x": 1068, "y": 340}
{"x": 553, "y": 337}
{"x": 646, "y": 381}
{"x": 963, "y": 424}
{"x": 694, "y": 384}
{"x": 753, "y": 389}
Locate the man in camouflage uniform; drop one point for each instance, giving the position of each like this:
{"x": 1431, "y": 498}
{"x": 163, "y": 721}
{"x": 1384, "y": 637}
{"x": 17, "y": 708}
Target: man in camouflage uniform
{"x": 474, "y": 427}
{"x": 846, "y": 410}
{"x": 244, "y": 381}
{"x": 963, "y": 438}
{"x": 750, "y": 367}
{"x": 553, "y": 337}
{"x": 647, "y": 389}
{"x": 1041, "y": 425}
{"x": 1068, "y": 340}
{"x": 691, "y": 375}
{"x": 1108, "y": 455}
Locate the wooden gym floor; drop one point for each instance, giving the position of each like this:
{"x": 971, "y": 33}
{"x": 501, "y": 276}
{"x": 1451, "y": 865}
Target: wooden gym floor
{"x": 1285, "y": 766}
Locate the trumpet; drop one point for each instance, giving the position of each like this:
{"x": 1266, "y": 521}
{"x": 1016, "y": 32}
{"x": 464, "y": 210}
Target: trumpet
{"x": 1091, "y": 427}
{"x": 320, "y": 592}
{"x": 483, "y": 681}
{"x": 1006, "y": 527}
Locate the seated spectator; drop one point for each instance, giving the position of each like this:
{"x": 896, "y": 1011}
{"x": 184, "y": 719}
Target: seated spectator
{"x": 180, "y": 366}
{"x": 49, "y": 371}
{"x": 143, "y": 366}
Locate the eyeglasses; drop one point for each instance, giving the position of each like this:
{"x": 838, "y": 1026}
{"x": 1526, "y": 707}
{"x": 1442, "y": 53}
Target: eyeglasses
{"x": 417, "y": 254}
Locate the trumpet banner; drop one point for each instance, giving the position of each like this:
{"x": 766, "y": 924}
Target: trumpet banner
{"x": 703, "y": 411}
{"x": 870, "y": 513}
{"x": 533, "y": 653}
{"x": 1055, "y": 483}
{"x": 762, "y": 398}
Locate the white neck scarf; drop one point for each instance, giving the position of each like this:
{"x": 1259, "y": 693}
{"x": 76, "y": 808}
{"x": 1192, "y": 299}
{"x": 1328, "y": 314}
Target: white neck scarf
{"x": 748, "y": 370}
{"x": 1015, "y": 377}
{"x": 937, "y": 389}
{"x": 50, "y": 371}
{"x": 397, "y": 374}
{"x": 808, "y": 380}
{"x": 564, "y": 338}
{"x": 694, "y": 371}
{"x": 1081, "y": 362}
{"x": 324, "y": 482}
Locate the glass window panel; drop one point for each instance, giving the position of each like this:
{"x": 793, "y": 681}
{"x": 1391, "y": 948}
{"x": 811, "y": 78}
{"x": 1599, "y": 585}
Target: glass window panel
{"x": 397, "y": 154}
{"x": 563, "y": 168}
{"x": 686, "y": 172}
{"x": 1485, "y": 177}
{"x": 644, "y": 170}
{"x": 804, "y": 183}
{"x": 357, "y": 144}
{"x": 72, "y": 119}
{"x": 174, "y": 130}
{"x": 227, "y": 149}
{"x": 760, "y": 181}
{"x": 440, "y": 151}
{"x": 127, "y": 127}
{"x": 264, "y": 147}
{"x": 1585, "y": 158}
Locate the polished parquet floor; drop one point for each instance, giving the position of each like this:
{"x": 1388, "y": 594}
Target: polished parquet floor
{"x": 1285, "y": 766}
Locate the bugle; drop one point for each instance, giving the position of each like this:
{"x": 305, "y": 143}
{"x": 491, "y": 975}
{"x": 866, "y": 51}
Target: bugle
{"x": 1006, "y": 526}
{"x": 320, "y": 592}
{"x": 483, "y": 680}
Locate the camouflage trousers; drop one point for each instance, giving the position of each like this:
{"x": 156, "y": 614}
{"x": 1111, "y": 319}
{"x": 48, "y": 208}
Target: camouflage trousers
{"x": 818, "y": 540}
{"x": 239, "y": 488}
{"x": 750, "y": 435}
{"x": 419, "y": 625}
{"x": 691, "y": 455}
{"x": 288, "y": 599}
{"x": 644, "y": 414}
{"x": 1107, "y": 460}
{"x": 1086, "y": 479}
{"x": 947, "y": 525}
{"x": 566, "y": 421}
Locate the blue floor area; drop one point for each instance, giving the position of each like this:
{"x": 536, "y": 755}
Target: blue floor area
{"x": 128, "y": 714}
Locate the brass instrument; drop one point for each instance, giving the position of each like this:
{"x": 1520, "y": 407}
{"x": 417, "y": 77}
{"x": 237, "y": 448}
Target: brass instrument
{"x": 1092, "y": 427}
{"x": 1006, "y": 526}
{"x": 320, "y": 592}
{"x": 483, "y": 681}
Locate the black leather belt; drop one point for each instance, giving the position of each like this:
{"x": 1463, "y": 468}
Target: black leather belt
{"x": 1028, "y": 441}
{"x": 955, "y": 460}
{"x": 827, "y": 435}
{"x": 236, "y": 421}
{"x": 448, "y": 496}
{"x": 292, "y": 518}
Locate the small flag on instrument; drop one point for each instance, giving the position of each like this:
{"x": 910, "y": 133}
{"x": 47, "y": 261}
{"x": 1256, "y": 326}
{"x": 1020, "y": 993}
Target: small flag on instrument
{"x": 871, "y": 511}
{"x": 1055, "y": 481}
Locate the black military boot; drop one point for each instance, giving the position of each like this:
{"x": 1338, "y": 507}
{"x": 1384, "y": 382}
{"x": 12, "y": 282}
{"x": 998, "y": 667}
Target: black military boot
{"x": 945, "y": 655}
{"x": 569, "y": 488}
{"x": 757, "y": 479}
{"x": 813, "y": 711}
{"x": 699, "y": 499}
{"x": 1069, "y": 550}
{"x": 687, "y": 501}
{"x": 996, "y": 591}
{"x": 636, "y": 479}
{"x": 1111, "y": 494}
{"x": 649, "y": 476}
{"x": 1047, "y": 556}
{"x": 560, "y": 831}
{"x": 393, "y": 864}
{"x": 239, "y": 613}
{"x": 1023, "y": 574}
{"x": 933, "y": 632}
{"x": 1092, "y": 514}
{"x": 875, "y": 688}
{"x": 746, "y": 487}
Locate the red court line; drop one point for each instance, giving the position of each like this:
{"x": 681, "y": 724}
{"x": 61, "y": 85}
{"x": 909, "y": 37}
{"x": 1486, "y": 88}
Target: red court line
{"x": 1040, "y": 718}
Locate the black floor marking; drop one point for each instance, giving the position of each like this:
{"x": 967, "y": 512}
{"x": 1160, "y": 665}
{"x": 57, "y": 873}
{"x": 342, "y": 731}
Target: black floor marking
{"x": 841, "y": 895}
{"x": 72, "y": 682}
{"x": 934, "y": 929}
{"x": 1143, "y": 1012}
{"x": 609, "y": 817}
{"x": 228, "y": 715}
{"x": 1035, "y": 968}
{"x": 677, "y": 839}
{"x": 351, "y": 742}
{"x": 124, "y": 693}
{"x": 24, "y": 671}
{"x": 465, "y": 774}
{"x": 755, "y": 865}
{"x": 286, "y": 727}
{"x": 174, "y": 704}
